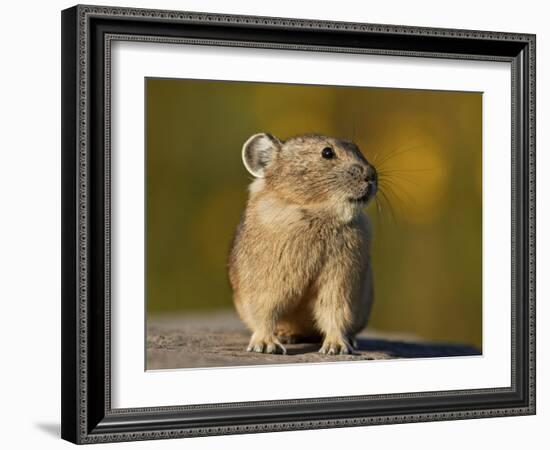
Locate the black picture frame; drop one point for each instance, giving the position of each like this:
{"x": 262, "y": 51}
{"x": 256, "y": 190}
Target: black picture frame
{"x": 87, "y": 32}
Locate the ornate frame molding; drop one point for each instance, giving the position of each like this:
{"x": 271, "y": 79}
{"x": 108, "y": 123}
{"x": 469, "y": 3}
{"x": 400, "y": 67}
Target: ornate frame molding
{"x": 85, "y": 206}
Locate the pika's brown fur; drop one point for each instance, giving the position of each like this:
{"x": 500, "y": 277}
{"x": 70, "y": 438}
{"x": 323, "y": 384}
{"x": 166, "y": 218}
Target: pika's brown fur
{"x": 300, "y": 262}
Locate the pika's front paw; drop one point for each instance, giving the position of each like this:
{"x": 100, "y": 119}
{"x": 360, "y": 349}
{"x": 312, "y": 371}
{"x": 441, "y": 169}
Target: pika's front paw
{"x": 336, "y": 346}
{"x": 266, "y": 345}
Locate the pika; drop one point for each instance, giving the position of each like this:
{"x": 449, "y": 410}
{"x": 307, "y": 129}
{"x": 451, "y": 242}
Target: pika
{"x": 299, "y": 264}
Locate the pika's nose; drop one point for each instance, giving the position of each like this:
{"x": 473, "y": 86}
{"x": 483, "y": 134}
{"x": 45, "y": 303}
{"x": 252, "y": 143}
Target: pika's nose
{"x": 372, "y": 175}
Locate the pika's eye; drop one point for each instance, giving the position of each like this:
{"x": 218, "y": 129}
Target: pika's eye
{"x": 327, "y": 153}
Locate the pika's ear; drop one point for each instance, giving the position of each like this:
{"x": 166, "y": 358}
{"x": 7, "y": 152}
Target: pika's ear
{"x": 258, "y": 151}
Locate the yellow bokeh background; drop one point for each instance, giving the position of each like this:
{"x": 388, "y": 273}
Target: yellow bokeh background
{"x": 427, "y": 223}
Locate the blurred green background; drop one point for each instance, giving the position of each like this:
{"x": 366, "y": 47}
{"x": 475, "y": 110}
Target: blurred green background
{"x": 427, "y": 231}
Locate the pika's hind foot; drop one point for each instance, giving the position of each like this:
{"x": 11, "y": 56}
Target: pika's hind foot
{"x": 265, "y": 344}
{"x": 336, "y": 346}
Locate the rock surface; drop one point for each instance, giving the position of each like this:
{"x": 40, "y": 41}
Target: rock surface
{"x": 219, "y": 339}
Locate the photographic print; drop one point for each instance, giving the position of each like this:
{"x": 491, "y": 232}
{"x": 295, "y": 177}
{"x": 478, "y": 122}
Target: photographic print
{"x": 291, "y": 223}
{"x": 310, "y": 199}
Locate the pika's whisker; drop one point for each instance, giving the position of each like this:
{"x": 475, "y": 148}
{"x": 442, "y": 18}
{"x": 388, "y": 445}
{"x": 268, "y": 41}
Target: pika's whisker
{"x": 381, "y": 211}
{"x": 395, "y": 154}
{"x": 408, "y": 198}
{"x": 384, "y": 171}
{"x": 390, "y": 179}
{"x": 389, "y": 206}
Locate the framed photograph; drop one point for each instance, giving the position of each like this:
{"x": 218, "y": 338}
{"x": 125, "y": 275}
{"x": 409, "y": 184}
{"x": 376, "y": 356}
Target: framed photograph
{"x": 283, "y": 224}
